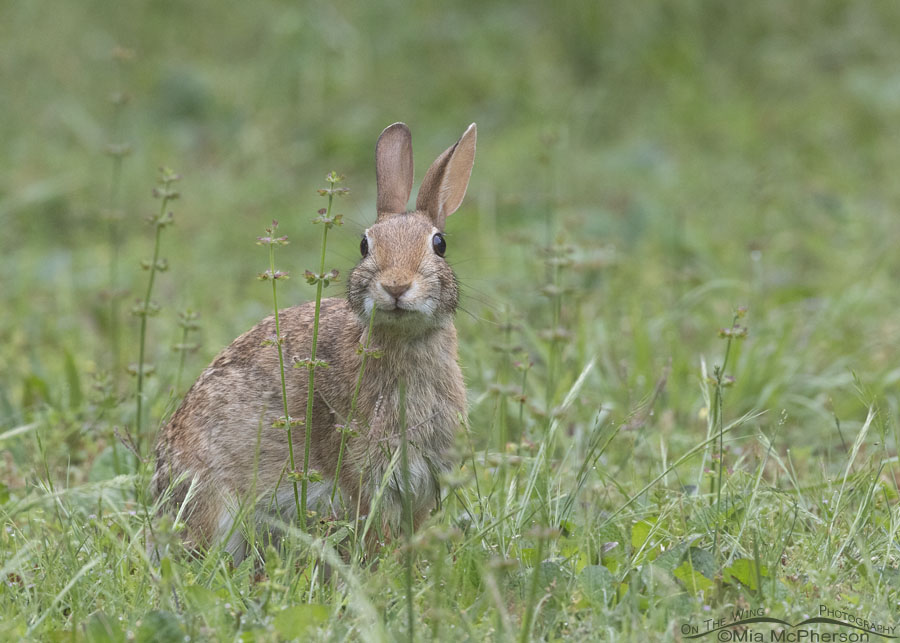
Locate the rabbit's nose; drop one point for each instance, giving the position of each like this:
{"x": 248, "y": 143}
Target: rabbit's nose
{"x": 396, "y": 290}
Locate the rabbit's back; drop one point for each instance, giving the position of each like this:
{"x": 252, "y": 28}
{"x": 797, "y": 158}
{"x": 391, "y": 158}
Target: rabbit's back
{"x": 223, "y": 433}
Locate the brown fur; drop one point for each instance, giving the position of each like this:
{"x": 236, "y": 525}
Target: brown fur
{"x": 221, "y": 438}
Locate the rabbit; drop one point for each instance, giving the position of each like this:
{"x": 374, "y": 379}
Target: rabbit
{"x": 221, "y": 443}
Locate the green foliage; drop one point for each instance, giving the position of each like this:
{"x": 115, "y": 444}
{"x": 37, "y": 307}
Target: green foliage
{"x": 296, "y": 621}
{"x": 644, "y": 171}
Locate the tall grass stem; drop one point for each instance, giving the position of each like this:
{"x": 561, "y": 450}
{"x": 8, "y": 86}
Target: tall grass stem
{"x": 165, "y": 194}
{"x": 320, "y": 280}
{"x": 353, "y": 401}
{"x": 406, "y": 500}
{"x": 278, "y": 343}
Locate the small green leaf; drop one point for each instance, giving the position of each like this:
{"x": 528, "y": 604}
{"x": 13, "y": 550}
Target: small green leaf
{"x": 165, "y": 569}
{"x": 639, "y": 533}
{"x": 35, "y": 391}
{"x": 569, "y": 547}
{"x": 611, "y": 544}
{"x": 73, "y": 381}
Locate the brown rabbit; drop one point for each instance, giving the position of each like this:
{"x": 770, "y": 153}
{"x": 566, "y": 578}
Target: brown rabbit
{"x": 221, "y": 443}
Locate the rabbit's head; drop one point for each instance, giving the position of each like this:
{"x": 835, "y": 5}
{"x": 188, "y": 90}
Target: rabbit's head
{"x": 403, "y": 273}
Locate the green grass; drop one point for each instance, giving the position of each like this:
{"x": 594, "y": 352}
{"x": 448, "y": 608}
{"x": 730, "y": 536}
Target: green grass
{"x": 657, "y": 165}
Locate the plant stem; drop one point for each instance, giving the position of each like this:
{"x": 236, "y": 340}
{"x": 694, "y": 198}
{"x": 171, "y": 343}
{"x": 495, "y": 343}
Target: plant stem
{"x": 181, "y": 358}
{"x": 532, "y": 593}
{"x": 718, "y": 408}
{"x": 438, "y": 594}
{"x": 287, "y": 417}
{"x": 114, "y": 243}
{"x": 145, "y": 312}
{"x": 521, "y": 428}
{"x": 407, "y": 511}
{"x": 503, "y": 433}
{"x": 556, "y": 309}
{"x": 312, "y": 368}
{"x": 353, "y": 400}
{"x": 553, "y": 370}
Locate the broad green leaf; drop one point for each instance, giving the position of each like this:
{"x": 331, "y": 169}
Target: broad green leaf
{"x": 104, "y": 465}
{"x": 551, "y": 575}
{"x": 159, "y": 626}
{"x": 294, "y": 622}
{"x": 201, "y": 598}
{"x": 100, "y": 628}
{"x": 702, "y": 561}
{"x": 609, "y": 533}
{"x": 693, "y": 580}
{"x": 670, "y": 559}
{"x": 598, "y": 584}
{"x": 744, "y": 571}
{"x": 551, "y": 578}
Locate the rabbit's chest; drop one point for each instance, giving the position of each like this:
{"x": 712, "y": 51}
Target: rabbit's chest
{"x": 429, "y": 421}
{"x": 423, "y": 409}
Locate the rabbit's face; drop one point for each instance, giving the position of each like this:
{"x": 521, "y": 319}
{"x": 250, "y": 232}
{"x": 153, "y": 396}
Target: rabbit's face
{"x": 403, "y": 274}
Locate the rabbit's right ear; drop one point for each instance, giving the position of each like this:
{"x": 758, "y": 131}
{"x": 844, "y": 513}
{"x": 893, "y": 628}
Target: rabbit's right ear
{"x": 393, "y": 169}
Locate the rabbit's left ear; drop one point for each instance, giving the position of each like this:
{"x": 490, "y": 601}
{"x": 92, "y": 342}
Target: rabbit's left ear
{"x": 393, "y": 169}
{"x": 445, "y": 183}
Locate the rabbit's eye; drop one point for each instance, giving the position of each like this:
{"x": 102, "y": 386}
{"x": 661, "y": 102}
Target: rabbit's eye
{"x": 364, "y": 247}
{"x": 440, "y": 245}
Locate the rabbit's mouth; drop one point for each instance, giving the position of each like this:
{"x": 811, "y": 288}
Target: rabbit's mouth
{"x": 403, "y": 300}
{"x": 402, "y": 314}
{"x": 401, "y": 310}
{"x": 413, "y": 311}
{"x": 418, "y": 307}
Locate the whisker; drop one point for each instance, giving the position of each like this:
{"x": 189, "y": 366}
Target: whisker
{"x": 477, "y": 318}
{"x": 480, "y": 296}
{"x": 494, "y": 308}
{"x": 461, "y": 262}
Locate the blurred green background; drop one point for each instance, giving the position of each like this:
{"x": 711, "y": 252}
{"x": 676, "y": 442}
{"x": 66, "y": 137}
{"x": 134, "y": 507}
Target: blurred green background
{"x": 685, "y": 158}
{"x": 696, "y": 156}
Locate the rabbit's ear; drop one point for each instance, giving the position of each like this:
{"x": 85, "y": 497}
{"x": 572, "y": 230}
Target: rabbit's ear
{"x": 445, "y": 183}
{"x": 393, "y": 169}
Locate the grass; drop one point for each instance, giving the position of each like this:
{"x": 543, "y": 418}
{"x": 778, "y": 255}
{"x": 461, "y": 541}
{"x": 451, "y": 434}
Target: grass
{"x": 644, "y": 170}
{"x": 272, "y": 275}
